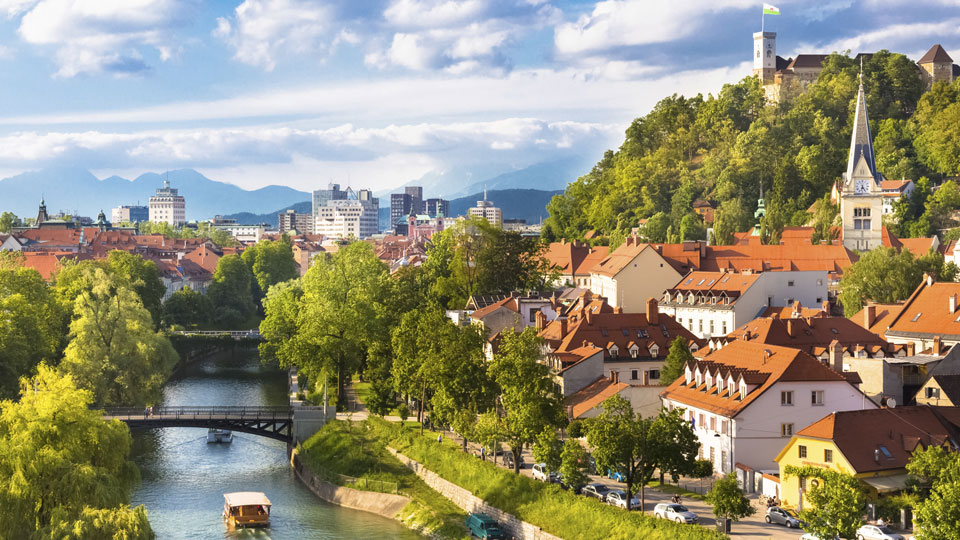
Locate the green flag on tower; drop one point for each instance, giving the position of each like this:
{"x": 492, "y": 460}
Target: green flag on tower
{"x": 769, "y": 9}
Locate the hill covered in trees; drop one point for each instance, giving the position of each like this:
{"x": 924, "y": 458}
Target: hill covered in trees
{"x": 723, "y": 147}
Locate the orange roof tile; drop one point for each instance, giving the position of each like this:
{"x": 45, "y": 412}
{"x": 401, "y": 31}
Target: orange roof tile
{"x": 883, "y": 316}
{"x": 807, "y": 334}
{"x": 593, "y": 395}
{"x": 927, "y": 312}
{"x": 616, "y": 261}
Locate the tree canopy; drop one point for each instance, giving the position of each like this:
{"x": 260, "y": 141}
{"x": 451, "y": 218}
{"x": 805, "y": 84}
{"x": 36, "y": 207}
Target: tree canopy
{"x": 837, "y": 501}
{"x": 885, "y": 275}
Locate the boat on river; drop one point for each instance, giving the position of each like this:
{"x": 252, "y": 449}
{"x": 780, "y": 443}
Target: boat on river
{"x": 246, "y": 509}
{"x": 219, "y": 436}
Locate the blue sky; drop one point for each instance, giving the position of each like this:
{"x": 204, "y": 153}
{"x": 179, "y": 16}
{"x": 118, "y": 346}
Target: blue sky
{"x": 380, "y": 92}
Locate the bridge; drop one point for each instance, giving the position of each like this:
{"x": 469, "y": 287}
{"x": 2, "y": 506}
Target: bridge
{"x": 238, "y": 335}
{"x": 287, "y": 424}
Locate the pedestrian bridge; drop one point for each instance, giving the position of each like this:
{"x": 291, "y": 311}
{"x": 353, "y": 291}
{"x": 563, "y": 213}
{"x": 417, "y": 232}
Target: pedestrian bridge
{"x": 238, "y": 335}
{"x": 288, "y": 424}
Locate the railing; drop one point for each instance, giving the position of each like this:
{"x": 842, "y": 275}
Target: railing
{"x": 251, "y": 334}
{"x": 364, "y": 484}
{"x": 200, "y": 413}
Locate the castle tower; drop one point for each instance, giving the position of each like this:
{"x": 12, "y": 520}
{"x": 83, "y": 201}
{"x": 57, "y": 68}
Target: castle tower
{"x": 861, "y": 197}
{"x": 936, "y": 65}
{"x": 765, "y": 56}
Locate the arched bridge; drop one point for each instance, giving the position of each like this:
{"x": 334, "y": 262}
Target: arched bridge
{"x": 273, "y": 422}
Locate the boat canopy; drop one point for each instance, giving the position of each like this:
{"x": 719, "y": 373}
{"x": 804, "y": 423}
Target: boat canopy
{"x": 246, "y": 498}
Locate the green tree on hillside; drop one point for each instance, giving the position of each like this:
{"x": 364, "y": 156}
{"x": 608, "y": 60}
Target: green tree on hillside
{"x": 187, "y": 308}
{"x": 231, "y": 292}
{"x": 728, "y": 499}
{"x": 885, "y": 276}
{"x": 64, "y": 472}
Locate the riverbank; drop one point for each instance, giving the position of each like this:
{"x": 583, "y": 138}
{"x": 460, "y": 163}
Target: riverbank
{"x": 358, "y": 450}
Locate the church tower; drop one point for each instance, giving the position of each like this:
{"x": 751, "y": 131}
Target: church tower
{"x": 765, "y": 56}
{"x": 861, "y": 197}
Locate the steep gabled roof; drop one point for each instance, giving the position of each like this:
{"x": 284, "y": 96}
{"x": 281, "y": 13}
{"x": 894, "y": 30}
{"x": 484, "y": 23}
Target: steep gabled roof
{"x": 936, "y": 55}
{"x": 808, "y": 334}
{"x": 861, "y": 141}
{"x": 807, "y": 61}
{"x": 927, "y": 312}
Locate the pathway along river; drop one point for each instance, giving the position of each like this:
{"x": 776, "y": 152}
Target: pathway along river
{"x": 184, "y": 478}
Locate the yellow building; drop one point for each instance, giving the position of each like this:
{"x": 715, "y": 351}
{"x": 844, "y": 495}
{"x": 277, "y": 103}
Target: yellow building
{"x": 941, "y": 390}
{"x": 873, "y": 445}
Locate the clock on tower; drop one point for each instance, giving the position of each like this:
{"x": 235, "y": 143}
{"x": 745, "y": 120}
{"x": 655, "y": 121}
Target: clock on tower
{"x": 862, "y": 186}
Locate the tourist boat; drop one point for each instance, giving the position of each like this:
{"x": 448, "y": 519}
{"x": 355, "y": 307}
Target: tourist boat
{"x": 246, "y": 509}
{"x": 219, "y": 436}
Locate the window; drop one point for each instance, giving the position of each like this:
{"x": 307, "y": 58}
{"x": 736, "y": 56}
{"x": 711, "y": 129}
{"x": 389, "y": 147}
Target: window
{"x": 819, "y": 300}
{"x": 723, "y": 427}
{"x": 654, "y": 374}
{"x": 819, "y": 282}
{"x": 828, "y": 456}
{"x": 916, "y": 317}
{"x": 713, "y": 454}
{"x": 816, "y": 397}
{"x": 803, "y": 484}
{"x": 701, "y": 326}
{"x": 633, "y": 374}
{"x": 711, "y": 327}
{"x": 786, "y": 398}
{"x": 786, "y": 430}
{"x": 743, "y": 390}
{"x": 933, "y": 393}
{"x": 723, "y": 327}
{"x": 886, "y": 453}
{"x": 702, "y": 423}
{"x": 723, "y": 461}
{"x": 700, "y": 453}
{"x": 713, "y": 423}
{"x": 533, "y": 315}
{"x": 790, "y": 283}
{"x": 801, "y": 451}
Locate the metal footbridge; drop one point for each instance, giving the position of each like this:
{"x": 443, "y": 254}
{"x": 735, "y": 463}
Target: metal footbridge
{"x": 273, "y": 422}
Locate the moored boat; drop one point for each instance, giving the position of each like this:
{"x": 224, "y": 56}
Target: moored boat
{"x": 219, "y": 436}
{"x": 246, "y": 509}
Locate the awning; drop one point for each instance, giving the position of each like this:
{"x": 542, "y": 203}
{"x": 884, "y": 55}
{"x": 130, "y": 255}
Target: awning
{"x": 246, "y": 498}
{"x": 886, "y": 484}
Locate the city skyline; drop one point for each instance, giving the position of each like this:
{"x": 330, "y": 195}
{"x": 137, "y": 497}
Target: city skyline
{"x": 295, "y": 93}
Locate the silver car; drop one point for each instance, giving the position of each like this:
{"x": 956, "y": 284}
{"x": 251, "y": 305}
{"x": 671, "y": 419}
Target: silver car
{"x": 783, "y": 516}
{"x": 674, "y": 512}
{"x": 618, "y": 497}
{"x": 877, "y": 532}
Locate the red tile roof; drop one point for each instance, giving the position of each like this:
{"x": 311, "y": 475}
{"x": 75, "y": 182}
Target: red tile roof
{"x": 759, "y": 365}
{"x": 883, "y": 316}
{"x": 862, "y": 436}
{"x": 935, "y": 54}
{"x": 927, "y": 312}
{"x": 593, "y": 395}
{"x": 811, "y": 335}
{"x": 616, "y": 261}
{"x": 45, "y": 262}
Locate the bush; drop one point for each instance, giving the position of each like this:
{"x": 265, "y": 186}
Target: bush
{"x": 889, "y": 506}
{"x": 575, "y": 429}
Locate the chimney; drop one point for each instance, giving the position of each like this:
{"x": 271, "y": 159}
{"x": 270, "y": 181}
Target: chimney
{"x": 929, "y": 279}
{"x": 653, "y": 311}
{"x": 563, "y": 327}
{"x": 936, "y": 346}
{"x": 953, "y": 303}
{"x": 911, "y": 349}
{"x": 835, "y": 355}
{"x": 791, "y": 328}
{"x": 703, "y": 249}
{"x": 618, "y": 310}
{"x": 589, "y": 315}
{"x": 541, "y": 320}
{"x": 825, "y": 307}
{"x": 869, "y": 316}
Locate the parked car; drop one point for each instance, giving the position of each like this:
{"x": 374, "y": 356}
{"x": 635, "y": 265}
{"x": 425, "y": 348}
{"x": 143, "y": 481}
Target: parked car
{"x": 541, "y": 473}
{"x": 877, "y": 532}
{"x": 618, "y": 497}
{"x": 563, "y": 485}
{"x": 483, "y": 526}
{"x": 616, "y": 475}
{"x": 508, "y": 459}
{"x": 674, "y": 512}
{"x": 596, "y": 490}
{"x": 783, "y": 516}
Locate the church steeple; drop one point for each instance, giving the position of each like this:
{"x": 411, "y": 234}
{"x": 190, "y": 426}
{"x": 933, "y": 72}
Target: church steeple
{"x": 861, "y": 141}
{"x": 42, "y": 212}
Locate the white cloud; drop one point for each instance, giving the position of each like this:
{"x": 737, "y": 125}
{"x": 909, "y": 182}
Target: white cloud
{"x": 261, "y": 30}
{"x": 890, "y": 37}
{"x": 94, "y": 36}
{"x": 433, "y": 13}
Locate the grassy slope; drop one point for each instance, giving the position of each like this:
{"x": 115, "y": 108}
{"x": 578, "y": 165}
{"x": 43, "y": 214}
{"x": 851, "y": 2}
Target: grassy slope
{"x": 353, "y": 449}
{"x": 556, "y": 511}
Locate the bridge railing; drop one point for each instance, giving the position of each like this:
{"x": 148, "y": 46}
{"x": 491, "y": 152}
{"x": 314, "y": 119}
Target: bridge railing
{"x": 252, "y": 334}
{"x": 211, "y": 412}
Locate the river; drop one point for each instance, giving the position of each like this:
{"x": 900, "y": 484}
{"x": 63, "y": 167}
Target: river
{"x": 184, "y": 478}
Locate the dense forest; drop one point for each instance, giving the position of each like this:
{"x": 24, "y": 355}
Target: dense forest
{"x": 722, "y": 148}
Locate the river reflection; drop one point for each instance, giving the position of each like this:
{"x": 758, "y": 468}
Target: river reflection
{"x": 184, "y": 478}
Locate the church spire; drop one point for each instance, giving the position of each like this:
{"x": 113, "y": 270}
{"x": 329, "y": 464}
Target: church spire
{"x": 861, "y": 141}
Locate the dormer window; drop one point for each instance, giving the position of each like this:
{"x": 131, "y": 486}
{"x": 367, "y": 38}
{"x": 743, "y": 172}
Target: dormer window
{"x": 614, "y": 351}
{"x": 687, "y": 374}
{"x": 743, "y": 389}
{"x": 699, "y": 377}
{"x": 709, "y": 380}
{"x": 634, "y": 351}
{"x": 720, "y": 384}
{"x": 654, "y": 350}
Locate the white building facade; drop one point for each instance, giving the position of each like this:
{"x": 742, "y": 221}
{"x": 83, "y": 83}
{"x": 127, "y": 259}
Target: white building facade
{"x": 356, "y": 216}
{"x": 167, "y": 206}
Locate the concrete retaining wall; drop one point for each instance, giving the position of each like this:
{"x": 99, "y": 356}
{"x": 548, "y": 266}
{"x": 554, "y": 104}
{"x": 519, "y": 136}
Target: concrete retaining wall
{"x": 514, "y": 526}
{"x": 384, "y": 504}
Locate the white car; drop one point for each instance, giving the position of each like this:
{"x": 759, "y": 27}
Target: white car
{"x": 674, "y": 512}
{"x": 877, "y": 532}
{"x": 540, "y": 473}
{"x": 618, "y": 497}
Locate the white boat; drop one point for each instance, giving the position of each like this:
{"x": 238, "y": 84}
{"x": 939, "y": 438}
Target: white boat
{"x": 246, "y": 509}
{"x": 219, "y": 436}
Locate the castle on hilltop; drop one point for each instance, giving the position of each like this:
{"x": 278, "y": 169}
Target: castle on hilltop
{"x": 786, "y": 77}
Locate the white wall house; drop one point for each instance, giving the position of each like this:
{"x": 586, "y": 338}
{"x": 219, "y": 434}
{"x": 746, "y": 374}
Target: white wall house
{"x": 746, "y": 400}
{"x": 631, "y": 274}
{"x": 715, "y": 303}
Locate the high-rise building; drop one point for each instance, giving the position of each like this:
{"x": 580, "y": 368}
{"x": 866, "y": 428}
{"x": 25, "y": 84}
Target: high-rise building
{"x": 356, "y": 215}
{"x": 292, "y": 221}
{"x": 437, "y": 207}
{"x": 167, "y": 206}
{"x": 129, "y": 214}
{"x": 406, "y": 203}
{"x": 486, "y": 210}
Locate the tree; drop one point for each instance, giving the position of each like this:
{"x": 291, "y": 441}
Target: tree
{"x": 326, "y": 325}
{"x": 231, "y": 292}
{"x": 114, "y": 351}
{"x": 548, "y": 449}
{"x": 621, "y": 441}
{"x": 527, "y": 392}
{"x": 702, "y": 468}
{"x": 824, "y": 218}
{"x": 935, "y": 514}
{"x": 186, "y": 308}
{"x": 676, "y": 444}
{"x": 142, "y": 277}
{"x": 8, "y": 220}
{"x": 728, "y": 500}
{"x": 881, "y": 275}
{"x": 677, "y": 358}
{"x": 271, "y": 262}
{"x": 836, "y": 501}
{"x": 31, "y": 330}
{"x": 488, "y": 430}
{"x": 573, "y": 465}
{"x": 64, "y": 472}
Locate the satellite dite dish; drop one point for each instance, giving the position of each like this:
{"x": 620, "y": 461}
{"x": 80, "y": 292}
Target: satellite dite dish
{"x": 891, "y": 403}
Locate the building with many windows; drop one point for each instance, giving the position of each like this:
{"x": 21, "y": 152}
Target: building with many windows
{"x": 167, "y": 206}
{"x": 356, "y": 215}
{"x": 486, "y": 210}
{"x": 291, "y": 221}
{"x": 406, "y": 203}
{"x": 130, "y": 214}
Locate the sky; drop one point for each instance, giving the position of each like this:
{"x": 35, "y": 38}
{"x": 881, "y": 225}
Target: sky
{"x": 374, "y": 93}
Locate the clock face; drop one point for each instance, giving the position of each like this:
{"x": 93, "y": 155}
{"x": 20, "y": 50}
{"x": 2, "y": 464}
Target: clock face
{"x": 862, "y": 186}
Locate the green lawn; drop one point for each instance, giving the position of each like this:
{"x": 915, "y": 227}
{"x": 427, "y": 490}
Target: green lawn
{"x": 556, "y": 511}
{"x": 355, "y": 449}
{"x": 670, "y": 488}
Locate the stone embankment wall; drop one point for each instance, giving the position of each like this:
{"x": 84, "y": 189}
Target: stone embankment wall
{"x": 519, "y": 529}
{"x": 384, "y": 504}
